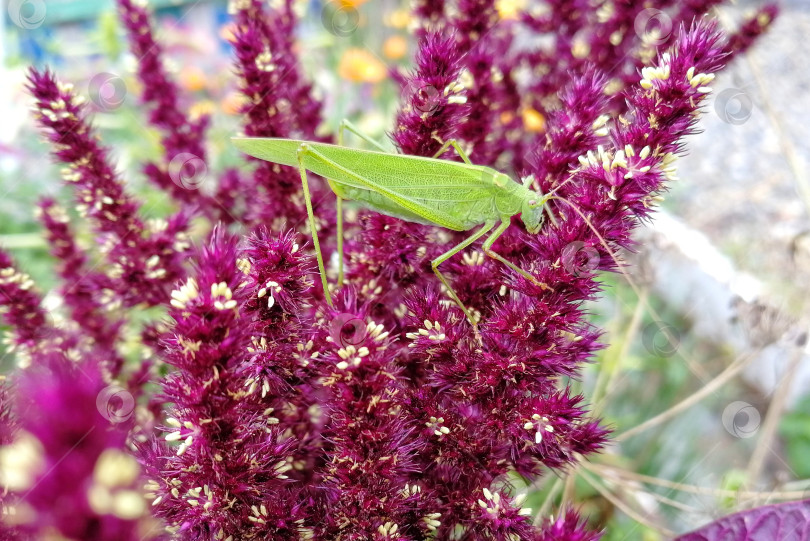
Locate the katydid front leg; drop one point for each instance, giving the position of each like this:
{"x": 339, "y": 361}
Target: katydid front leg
{"x": 450, "y": 253}
{"x": 506, "y": 221}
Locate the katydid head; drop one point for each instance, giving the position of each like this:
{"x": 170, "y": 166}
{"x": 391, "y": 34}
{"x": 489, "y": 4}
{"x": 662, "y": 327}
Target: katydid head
{"x": 531, "y": 211}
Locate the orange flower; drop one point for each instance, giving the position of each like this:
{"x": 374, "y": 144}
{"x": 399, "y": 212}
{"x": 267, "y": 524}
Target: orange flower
{"x": 192, "y": 78}
{"x": 533, "y": 120}
{"x": 232, "y": 102}
{"x": 359, "y": 65}
{"x": 395, "y": 47}
{"x": 510, "y": 9}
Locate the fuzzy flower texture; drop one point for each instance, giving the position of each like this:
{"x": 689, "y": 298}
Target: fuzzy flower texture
{"x": 190, "y": 388}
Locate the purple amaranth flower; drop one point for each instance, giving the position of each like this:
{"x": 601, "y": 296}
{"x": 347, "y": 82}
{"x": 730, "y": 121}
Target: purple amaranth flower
{"x": 279, "y": 367}
{"x": 87, "y": 293}
{"x": 431, "y": 16}
{"x": 277, "y": 190}
{"x": 574, "y": 129}
{"x": 8, "y": 429}
{"x": 144, "y": 258}
{"x": 617, "y": 39}
{"x": 465, "y": 392}
{"x": 434, "y": 97}
{"x": 493, "y": 124}
{"x": 228, "y": 477}
{"x": 567, "y": 527}
{"x": 371, "y": 477}
{"x": 275, "y": 33}
{"x": 67, "y": 466}
{"x": 279, "y": 103}
{"x": 22, "y": 310}
{"x": 751, "y": 29}
{"x": 184, "y": 169}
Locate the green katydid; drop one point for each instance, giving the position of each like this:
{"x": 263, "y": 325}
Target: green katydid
{"x": 454, "y": 195}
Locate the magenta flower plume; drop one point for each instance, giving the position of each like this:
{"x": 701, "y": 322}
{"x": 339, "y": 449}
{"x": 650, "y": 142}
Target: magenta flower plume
{"x": 434, "y": 97}
{"x": 278, "y": 103}
{"x": 370, "y": 478}
{"x": 8, "y": 430}
{"x": 89, "y": 294}
{"x": 431, "y": 15}
{"x": 566, "y": 528}
{"x": 493, "y": 124}
{"x": 21, "y": 307}
{"x": 756, "y": 25}
{"x": 217, "y": 417}
{"x": 184, "y": 170}
{"x": 280, "y": 354}
{"x": 143, "y": 258}
{"x": 270, "y": 33}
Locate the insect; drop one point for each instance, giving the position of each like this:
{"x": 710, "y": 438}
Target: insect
{"x": 454, "y": 195}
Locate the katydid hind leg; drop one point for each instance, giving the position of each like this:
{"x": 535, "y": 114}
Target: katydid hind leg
{"x": 450, "y": 253}
{"x": 460, "y": 151}
{"x": 312, "y": 225}
{"x": 347, "y": 125}
{"x": 504, "y": 225}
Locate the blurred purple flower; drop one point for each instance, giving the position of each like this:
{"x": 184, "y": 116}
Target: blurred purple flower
{"x": 67, "y": 465}
{"x": 183, "y": 170}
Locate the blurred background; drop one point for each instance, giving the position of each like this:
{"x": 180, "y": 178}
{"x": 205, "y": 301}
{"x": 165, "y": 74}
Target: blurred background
{"x": 706, "y": 381}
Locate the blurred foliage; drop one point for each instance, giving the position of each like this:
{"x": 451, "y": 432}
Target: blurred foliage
{"x": 795, "y": 432}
